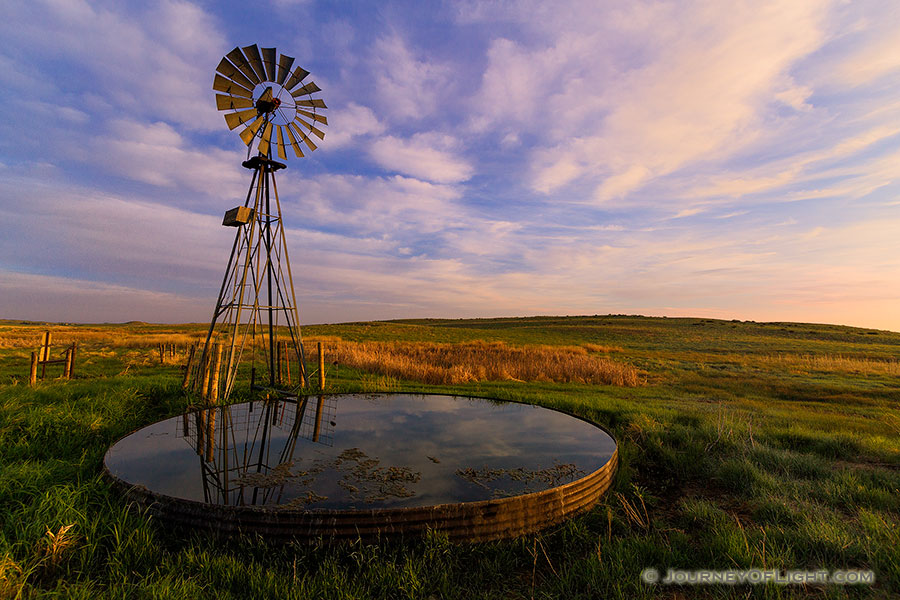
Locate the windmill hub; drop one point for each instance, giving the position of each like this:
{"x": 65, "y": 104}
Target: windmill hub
{"x": 267, "y": 106}
{"x": 268, "y": 102}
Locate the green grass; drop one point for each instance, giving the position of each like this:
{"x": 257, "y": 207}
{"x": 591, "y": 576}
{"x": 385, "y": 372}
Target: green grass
{"x": 737, "y": 453}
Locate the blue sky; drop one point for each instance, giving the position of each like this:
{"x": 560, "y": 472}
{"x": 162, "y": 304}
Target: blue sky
{"x": 721, "y": 159}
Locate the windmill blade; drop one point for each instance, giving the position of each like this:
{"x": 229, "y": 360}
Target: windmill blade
{"x": 239, "y": 118}
{"x": 296, "y": 77}
{"x": 248, "y": 134}
{"x": 284, "y": 67}
{"x": 309, "y": 88}
{"x": 268, "y": 55}
{"x": 280, "y": 143}
{"x": 240, "y": 61}
{"x": 315, "y": 103}
{"x": 231, "y": 72}
{"x": 311, "y": 115}
{"x": 311, "y": 127}
{"x": 231, "y": 102}
{"x": 220, "y": 84}
{"x": 265, "y": 140}
{"x": 302, "y": 136}
{"x": 255, "y": 61}
{"x": 294, "y": 143}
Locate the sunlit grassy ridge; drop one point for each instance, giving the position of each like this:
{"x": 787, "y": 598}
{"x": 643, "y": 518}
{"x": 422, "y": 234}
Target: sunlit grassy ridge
{"x": 769, "y": 445}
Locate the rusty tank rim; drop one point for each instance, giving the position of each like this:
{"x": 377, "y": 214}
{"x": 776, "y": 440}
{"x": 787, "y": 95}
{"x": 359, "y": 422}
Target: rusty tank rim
{"x": 473, "y": 521}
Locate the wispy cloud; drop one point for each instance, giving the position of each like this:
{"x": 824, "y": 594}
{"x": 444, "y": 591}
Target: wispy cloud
{"x": 351, "y": 122}
{"x": 408, "y": 86}
{"x": 72, "y": 299}
{"x": 429, "y": 156}
{"x": 155, "y": 153}
{"x": 700, "y": 91}
{"x": 362, "y": 206}
{"x": 150, "y": 63}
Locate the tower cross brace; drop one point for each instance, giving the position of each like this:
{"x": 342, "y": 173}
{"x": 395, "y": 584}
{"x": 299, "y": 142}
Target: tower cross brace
{"x": 256, "y": 308}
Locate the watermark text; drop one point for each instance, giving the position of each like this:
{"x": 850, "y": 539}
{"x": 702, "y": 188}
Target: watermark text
{"x": 757, "y": 576}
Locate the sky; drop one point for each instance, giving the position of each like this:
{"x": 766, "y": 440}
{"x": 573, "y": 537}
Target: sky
{"x": 735, "y": 160}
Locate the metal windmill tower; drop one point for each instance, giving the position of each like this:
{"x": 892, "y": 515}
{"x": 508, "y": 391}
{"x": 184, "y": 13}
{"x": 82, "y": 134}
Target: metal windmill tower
{"x": 255, "y": 328}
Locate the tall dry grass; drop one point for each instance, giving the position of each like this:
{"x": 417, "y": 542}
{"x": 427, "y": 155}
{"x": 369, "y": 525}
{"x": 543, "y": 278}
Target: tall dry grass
{"x": 432, "y": 363}
{"x": 30, "y": 337}
{"x": 435, "y": 363}
{"x": 601, "y": 348}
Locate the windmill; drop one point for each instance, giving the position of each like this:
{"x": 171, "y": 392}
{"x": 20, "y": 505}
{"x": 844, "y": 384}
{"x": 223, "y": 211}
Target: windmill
{"x": 256, "y": 321}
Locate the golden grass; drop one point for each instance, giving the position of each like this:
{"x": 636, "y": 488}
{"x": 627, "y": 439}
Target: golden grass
{"x": 57, "y": 543}
{"x": 310, "y": 342}
{"x": 601, "y": 348}
{"x": 426, "y": 362}
{"x": 12, "y": 578}
{"x": 838, "y": 363}
{"x": 825, "y": 363}
{"x": 435, "y": 363}
{"x": 62, "y": 336}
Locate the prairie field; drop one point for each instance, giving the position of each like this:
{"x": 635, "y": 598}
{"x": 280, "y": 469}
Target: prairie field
{"x": 743, "y": 445}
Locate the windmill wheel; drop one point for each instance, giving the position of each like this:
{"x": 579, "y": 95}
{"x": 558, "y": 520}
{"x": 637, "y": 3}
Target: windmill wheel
{"x": 263, "y": 96}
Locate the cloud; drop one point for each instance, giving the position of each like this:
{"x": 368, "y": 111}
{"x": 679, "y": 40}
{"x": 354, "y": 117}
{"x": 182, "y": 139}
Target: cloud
{"x": 622, "y": 116}
{"x": 864, "y": 48}
{"x": 616, "y": 186}
{"x": 392, "y": 207}
{"x": 104, "y": 237}
{"x": 407, "y": 86}
{"x": 459, "y": 266}
{"x": 848, "y": 164}
{"x": 44, "y": 297}
{"x": 704, "y": 95}
{"x": 157, "y": 154}
{"x": 156, "y": 63}
{"x": 351, "y": 122}
{"x": 430, "y": 156}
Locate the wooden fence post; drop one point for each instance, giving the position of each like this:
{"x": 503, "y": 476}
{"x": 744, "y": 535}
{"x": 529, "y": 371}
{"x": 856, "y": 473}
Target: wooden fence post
{"x": 32, "y": 378}
{"x": 287, "y": 363}
{"x": 72, "y": 360}
{"x": 214, "y": 380}
{"x": 321, "y": 368}
{"x": 67, "y": 365}
{"x": 187, "y": 371}
{"x": 301, "y": 371}
{"x": 44, "y": 352}
{"x": 205, "y": 359}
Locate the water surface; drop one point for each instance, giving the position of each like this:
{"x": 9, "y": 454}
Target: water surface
{"x": 360, "y": 451}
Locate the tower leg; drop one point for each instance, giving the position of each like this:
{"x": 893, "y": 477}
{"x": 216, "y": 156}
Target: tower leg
{"x": 250, "y": 312}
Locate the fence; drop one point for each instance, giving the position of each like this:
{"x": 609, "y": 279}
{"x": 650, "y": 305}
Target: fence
{"x": 41, "y": 359}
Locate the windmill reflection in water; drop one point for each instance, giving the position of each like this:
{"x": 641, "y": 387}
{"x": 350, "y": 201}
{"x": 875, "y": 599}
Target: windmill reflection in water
{"x": 239, "y": 463}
